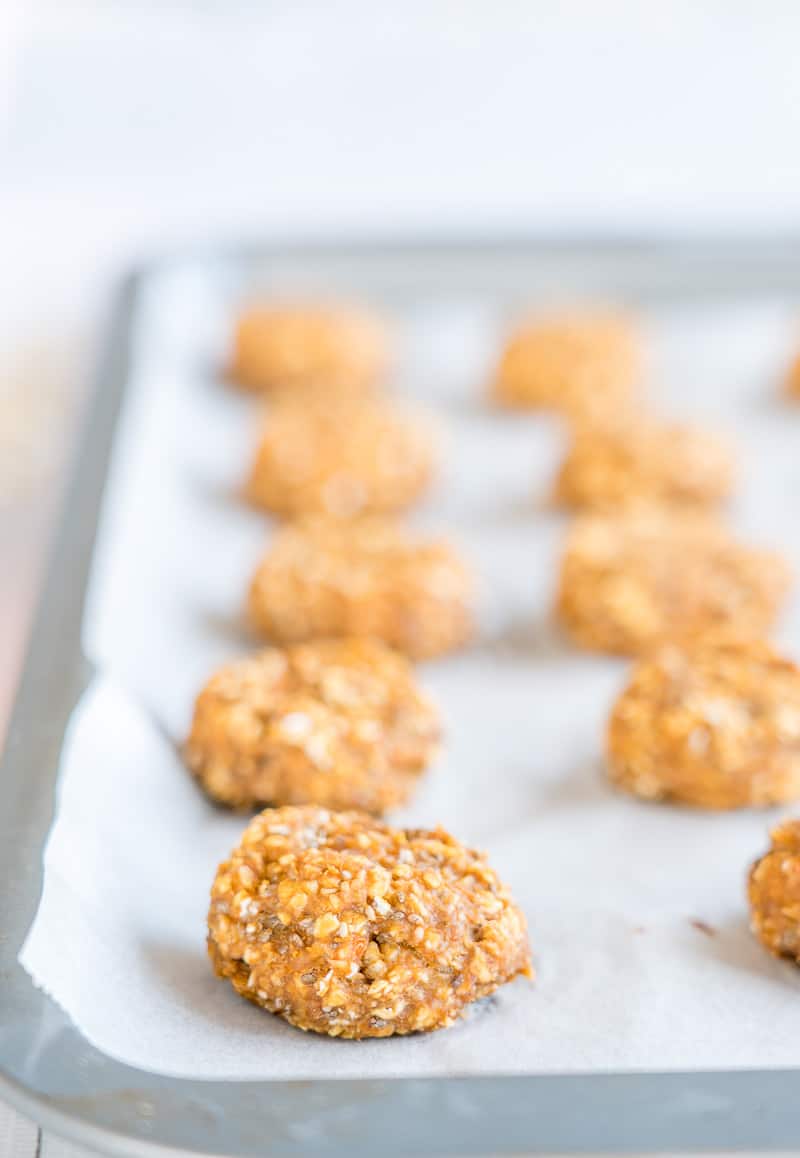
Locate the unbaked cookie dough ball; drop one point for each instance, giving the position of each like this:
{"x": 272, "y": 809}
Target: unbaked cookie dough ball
{"x": 580, "y": 364}
{"x": 629, "y": 581}
{"x": 344, "y": 926}
{"x": 339, "y": 723}
{"x": 774, "y": 893}
{"x": 286, "y": 347}
{"x": 632, "y": 460}
{"x": 367, "y": 577}
{"x": 341, "y": 459}
{"x": 712, "y": 721}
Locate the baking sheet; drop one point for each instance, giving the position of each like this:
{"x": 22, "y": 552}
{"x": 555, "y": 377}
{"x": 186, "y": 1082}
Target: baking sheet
{"x": 620, "y": 896}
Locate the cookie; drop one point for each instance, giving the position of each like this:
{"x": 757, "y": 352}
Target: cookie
{"x": 711, "y": 721}
{"x": 341, "y": 459}
{"x": 344, "y": 926}
{"x": 628, "y": 582}
{"x": 578, "y": 364}
{"x": 366, "y": 577}
{"x": 284, "y": 347}
{"x": 339, "y": 723}
{"x": 633, "y": 460}
{"x": 774, "y": 893}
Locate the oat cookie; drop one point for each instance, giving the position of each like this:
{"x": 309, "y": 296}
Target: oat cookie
{"x": 616, "y": 463}
{"x": 340, "y": 723}
{"x": 579, "y": 364}
{"x": 712, "y": 721}
{"x": 774, "y": 892}
{"x": 288, "y": 347}
{"x": 629, "y": 581}
{"x": 341, "y": 458}
{"x": 344, "y": 926}
{"x": 367, "y": 577}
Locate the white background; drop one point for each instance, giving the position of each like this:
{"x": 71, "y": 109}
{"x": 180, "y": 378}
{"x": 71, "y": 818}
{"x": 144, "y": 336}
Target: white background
{"x": 127, "y": 126}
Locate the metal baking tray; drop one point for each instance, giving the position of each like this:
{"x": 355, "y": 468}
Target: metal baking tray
{"x": 50, "y": 1072}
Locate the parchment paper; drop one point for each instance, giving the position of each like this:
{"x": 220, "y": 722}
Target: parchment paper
{"x": 637, "y": 913}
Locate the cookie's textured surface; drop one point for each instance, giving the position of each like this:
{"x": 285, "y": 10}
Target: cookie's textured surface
{"x": 630, "y": 581}
{"x": 279, "y": 347}
{"x": 579, "y": 364}
{"x": 347, "y": 927}
{"x": 340, "y": 723}
{"x": 713, "y": 721}
{"x": 367, "y": 577}
{"x": 341, "y": 458}
{"x": 774, "y": 891}
{"x": 631, "y": 460}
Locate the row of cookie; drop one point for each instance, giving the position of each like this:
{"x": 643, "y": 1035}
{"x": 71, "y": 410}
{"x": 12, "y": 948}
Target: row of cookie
{"x": 580, "y": 364}
{"x": 711, "y": 713}
{"x": 343, "y": 458}
{"x": 333, "y": 715}
{"x": 327, "y": 917}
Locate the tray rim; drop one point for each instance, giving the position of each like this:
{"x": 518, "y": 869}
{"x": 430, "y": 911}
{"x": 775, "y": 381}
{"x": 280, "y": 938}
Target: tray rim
{"x": 124, "y": 1111}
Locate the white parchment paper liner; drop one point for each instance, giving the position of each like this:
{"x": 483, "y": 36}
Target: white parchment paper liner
{"x": 636, "y": 912}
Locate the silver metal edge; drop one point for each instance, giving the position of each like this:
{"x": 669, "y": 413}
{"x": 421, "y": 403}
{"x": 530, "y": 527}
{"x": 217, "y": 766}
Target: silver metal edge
{"x": 50, "y": 1072}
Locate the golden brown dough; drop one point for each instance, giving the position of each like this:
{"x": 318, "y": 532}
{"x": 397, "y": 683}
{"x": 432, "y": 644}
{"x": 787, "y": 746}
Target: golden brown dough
{"x": 341, "y": 459}
{"x": 774, "y": 892}
{"x": 629, "y": 581}
{"x": 712, "y": 721}
{"x": 340, "y": 723}
{"x": 366, "y": 577}
{"x": 293, "y": 347}
{"x": 344, "y": 926}
{"x": 581, "y": 364}
{"x": 632, "y": 460}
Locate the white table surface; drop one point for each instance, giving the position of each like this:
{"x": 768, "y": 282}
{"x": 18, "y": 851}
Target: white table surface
{"x": 128, "y": 127}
